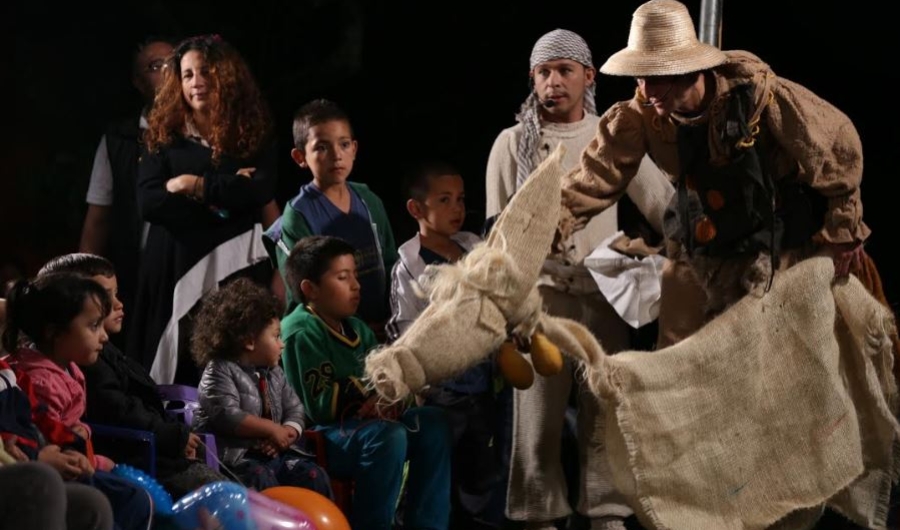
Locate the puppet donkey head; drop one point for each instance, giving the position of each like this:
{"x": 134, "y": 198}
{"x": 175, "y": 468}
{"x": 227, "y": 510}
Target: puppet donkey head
{"x": 476, "y": 303}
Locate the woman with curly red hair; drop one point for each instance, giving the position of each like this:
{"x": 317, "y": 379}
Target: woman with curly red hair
{"x": 205, "y": 176}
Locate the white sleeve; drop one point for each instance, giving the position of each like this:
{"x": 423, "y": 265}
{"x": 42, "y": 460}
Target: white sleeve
{"x": 500, "y": 179}
{"x": 405, "y": 303}
{"x": 100, "y": 189}
{"x": 651, "y": 191}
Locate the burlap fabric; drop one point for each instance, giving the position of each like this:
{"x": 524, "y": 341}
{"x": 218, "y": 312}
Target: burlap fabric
{"x": 475, "y": 302}
{"x": 781, "y": 403}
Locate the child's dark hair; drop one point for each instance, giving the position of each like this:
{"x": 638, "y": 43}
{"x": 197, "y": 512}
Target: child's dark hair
{"x": 311, "y": 258}
{"x": 230, "y": 317}
{"x": 79, "y": 263}
{"x": 418, "y": 180}
{"x": 314, "y": 113}
{"x": 48, "y": 305}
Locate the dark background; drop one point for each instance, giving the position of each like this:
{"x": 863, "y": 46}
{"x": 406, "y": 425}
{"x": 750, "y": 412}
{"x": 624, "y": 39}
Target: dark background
{"x": 419, "y": 79}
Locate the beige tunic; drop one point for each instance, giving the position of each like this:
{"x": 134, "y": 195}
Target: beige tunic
{"x": 649, "y": 190}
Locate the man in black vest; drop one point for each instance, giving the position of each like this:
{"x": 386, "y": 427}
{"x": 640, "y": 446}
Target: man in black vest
{"x": 113, "y": 227}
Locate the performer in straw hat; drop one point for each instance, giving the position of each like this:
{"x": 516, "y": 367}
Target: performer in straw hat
{"x": 767, "y": 172}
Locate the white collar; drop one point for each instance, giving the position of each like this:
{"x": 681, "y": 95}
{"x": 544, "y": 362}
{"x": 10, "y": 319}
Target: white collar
{"x": 409, "y": 251}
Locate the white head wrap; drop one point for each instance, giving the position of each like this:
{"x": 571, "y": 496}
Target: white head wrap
{"x": 558, "y": 44}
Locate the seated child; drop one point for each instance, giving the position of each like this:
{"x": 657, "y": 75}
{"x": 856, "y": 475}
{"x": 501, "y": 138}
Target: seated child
{"x": 61, "y": 317}
{"x": 35, "y": 490}
{"x": 244, "y": 398}
{"x": 331, "y": 205}
{"x": 325, "y": 348}
{"x": 120, "y": 392}
{"x": 436, "y": 200}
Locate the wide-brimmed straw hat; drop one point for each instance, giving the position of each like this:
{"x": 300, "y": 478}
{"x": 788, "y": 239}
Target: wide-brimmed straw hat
{"x": 662, "y": 41}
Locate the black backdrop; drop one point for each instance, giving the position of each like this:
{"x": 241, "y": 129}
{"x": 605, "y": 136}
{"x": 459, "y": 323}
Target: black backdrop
{"x": 419, "y": 79}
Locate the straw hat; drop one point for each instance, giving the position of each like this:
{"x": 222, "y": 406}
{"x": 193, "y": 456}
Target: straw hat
{"x": 662, "y": 41}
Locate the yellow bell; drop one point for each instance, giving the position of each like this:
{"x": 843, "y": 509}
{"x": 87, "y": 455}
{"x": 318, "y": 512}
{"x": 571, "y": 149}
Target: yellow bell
{"x": 545, "y": 356}
{"x": 514, "y": 367}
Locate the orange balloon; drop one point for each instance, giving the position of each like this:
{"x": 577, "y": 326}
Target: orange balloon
{"x": 319, "y": 508}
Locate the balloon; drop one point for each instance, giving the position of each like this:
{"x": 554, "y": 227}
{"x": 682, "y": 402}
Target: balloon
{"x": 162, "y": 501}
{"x": 319, "y": 508}
{"x": 230, "y": 506}
{"x": 271, "y": 514}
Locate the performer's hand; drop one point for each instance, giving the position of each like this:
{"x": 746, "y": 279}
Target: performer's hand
{"x": 845, "y": 256}
{"x": 575, "y": 214}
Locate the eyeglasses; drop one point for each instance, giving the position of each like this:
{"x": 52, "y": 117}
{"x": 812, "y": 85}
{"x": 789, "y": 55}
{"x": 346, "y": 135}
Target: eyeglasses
{"x": 156, "y": 65}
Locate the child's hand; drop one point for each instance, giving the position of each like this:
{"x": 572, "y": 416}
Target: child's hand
{"x": 82, "y": 461}
{"x": 292, "y": 434}
{"x": 193, "y": 442}
{"x": 11, "y": 446}
{"x": 81, "y": 431}
{"x": 68, "y": 465}
{"x": 268, "y": 448}
{"x": 282, "y": 437}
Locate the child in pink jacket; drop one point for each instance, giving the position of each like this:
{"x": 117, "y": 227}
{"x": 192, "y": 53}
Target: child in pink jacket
{"x": 62, "y": 335}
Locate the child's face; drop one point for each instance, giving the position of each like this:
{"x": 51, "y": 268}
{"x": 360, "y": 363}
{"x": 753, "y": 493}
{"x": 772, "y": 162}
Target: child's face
{"x": 265, "y": 350}
{"x": 329, "y": 152}
{"x": 444, "y": 208}
{"x": 336, "y": 295}
{"x": 113, "y": 322}
{"x": 82, "y": 341}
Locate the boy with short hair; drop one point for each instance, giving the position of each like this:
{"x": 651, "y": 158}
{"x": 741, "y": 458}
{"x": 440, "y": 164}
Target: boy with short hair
{"x": 331, "y": 205}
{"x": 120, "y": 392}
{"x": 324, "y": 353}
{"x": 436, "y": 200}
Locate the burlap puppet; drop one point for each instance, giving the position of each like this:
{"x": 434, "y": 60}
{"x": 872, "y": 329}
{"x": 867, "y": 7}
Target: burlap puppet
{"x": 782, "y": 405}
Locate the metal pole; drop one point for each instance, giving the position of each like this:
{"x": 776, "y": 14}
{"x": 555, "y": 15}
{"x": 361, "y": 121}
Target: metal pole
{"x": 711, "y": 22}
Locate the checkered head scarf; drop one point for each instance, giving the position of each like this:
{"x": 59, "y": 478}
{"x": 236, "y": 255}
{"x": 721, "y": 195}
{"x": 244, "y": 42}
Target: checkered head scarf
{"x": 558, "y": 44}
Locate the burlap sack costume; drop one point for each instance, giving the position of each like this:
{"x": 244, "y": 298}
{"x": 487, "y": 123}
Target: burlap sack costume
{"x": 783, "y": 403}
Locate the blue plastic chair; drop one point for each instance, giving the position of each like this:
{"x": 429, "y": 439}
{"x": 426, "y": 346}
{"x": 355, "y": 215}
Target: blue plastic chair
{"x": 146, "y": 438}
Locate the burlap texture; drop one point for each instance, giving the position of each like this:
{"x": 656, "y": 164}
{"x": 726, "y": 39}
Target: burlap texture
{"x": 779, "y": 404}
{"x": 475, "y": 302}
{"x": 782, "y": 403}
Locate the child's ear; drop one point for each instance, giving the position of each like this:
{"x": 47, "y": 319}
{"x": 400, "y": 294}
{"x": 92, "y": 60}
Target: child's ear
{"x": 414, "y": 209}
{"x": 299, "y": 157}
{"x": 309, "y": 290}
{"x": 249, "y": 344}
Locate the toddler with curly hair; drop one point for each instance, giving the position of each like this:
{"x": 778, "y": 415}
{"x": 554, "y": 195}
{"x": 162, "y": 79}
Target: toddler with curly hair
{"x": 245, "y": 399}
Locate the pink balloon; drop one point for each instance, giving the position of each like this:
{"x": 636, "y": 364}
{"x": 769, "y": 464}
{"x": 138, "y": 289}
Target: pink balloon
{"x": 269, "y": 514}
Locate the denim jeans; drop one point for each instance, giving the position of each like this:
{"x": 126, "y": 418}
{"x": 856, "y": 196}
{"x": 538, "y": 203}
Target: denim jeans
{"x": 372, "y": 452}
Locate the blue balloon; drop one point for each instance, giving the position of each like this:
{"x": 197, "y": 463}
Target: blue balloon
{"x": 162, "y": 501}
{"x": 227, "y": 502}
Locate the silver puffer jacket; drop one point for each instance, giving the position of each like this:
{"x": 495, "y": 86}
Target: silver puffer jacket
{"x": 229, "y": 392}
